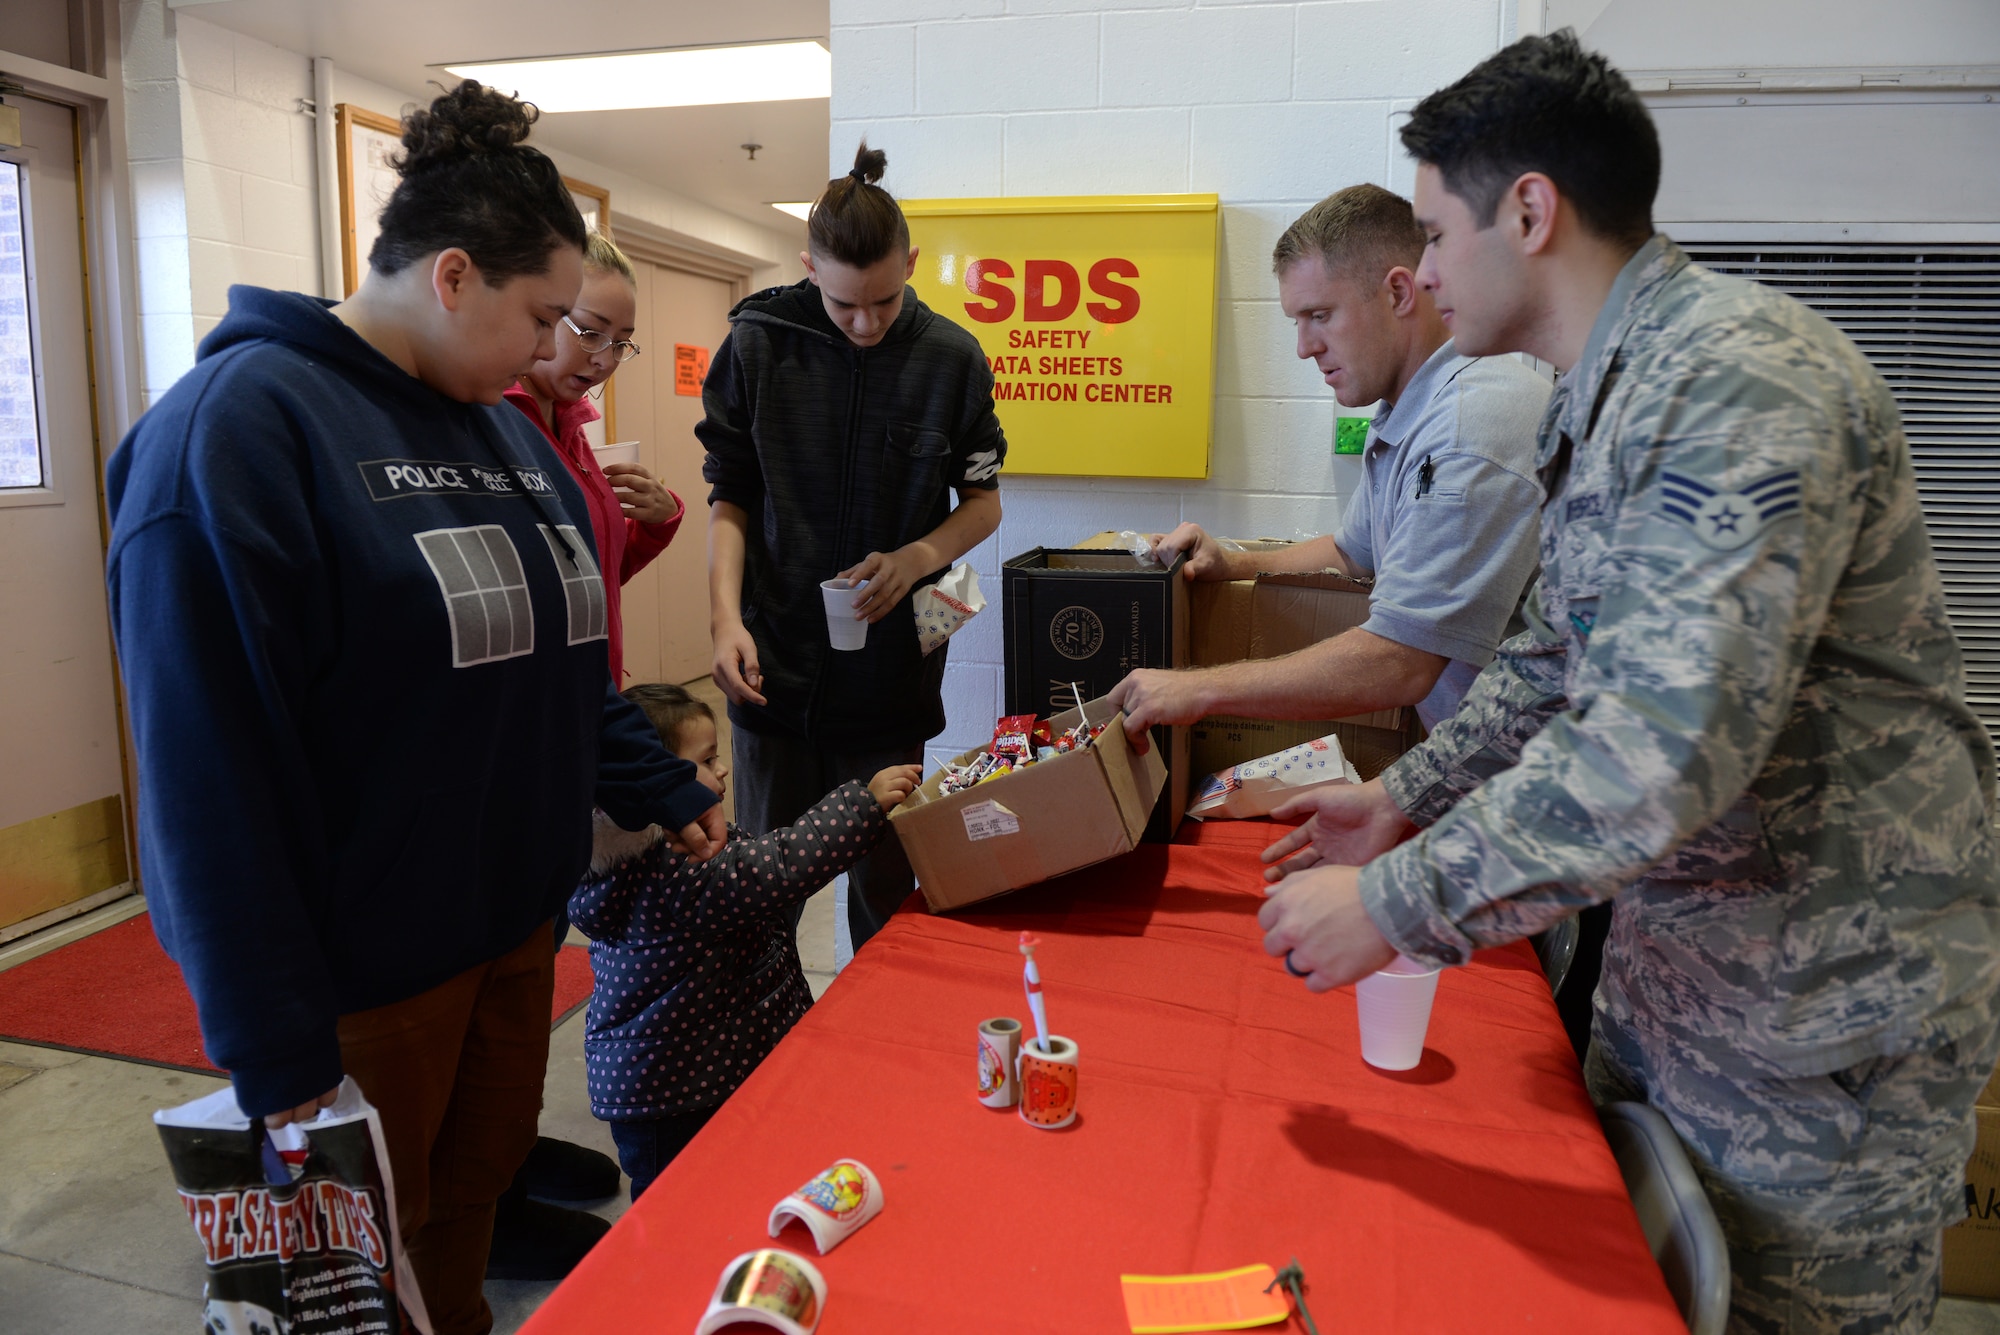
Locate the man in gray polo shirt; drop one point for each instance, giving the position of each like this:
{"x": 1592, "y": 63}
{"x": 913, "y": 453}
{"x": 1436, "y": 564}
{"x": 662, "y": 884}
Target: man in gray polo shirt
{"x": 1445, "y": 519}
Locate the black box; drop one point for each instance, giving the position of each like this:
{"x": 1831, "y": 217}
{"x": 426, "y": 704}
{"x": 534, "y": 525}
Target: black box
{"x": 1089, "y": 616}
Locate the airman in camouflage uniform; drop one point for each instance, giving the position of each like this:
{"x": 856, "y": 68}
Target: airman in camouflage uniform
{"x": 1739, "y": 709}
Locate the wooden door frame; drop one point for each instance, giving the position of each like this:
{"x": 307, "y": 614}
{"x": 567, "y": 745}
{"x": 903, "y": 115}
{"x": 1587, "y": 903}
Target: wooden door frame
{"x": 674, "y": 253}
{"x": 646, "y": 241}
{"x": 346, "y": 116}
{"x": 110, "y": 295}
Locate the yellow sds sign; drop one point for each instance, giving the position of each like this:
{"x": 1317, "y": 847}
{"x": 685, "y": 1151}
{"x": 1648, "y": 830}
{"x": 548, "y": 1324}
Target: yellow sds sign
{"x": 1097, "y": 314}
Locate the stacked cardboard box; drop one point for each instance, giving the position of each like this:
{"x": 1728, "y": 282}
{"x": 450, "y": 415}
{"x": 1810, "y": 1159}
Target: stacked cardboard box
{"x": 1272, "y": 615}
{"x": 1268, "y": 617}
{"x": 1972, "y": 1246}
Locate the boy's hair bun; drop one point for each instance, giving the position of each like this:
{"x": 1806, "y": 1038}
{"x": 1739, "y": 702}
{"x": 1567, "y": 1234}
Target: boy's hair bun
{"x": 856, "y": 221}
{"x": 468, "y": 120}
{"x": 869, "y": 164}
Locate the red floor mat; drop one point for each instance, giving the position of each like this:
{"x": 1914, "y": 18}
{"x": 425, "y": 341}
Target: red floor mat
{"x": 116, "y": 994}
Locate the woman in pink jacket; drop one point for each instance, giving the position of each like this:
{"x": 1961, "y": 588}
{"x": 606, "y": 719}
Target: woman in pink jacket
{"x": 633, "y": 515}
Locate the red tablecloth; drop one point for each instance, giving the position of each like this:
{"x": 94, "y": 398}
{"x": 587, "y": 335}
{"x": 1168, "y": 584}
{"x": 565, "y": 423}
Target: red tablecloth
{"x": 1226, "y": 1118}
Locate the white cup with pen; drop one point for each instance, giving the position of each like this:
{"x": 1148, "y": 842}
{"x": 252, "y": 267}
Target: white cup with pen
{"x": 1048, "y": 1080}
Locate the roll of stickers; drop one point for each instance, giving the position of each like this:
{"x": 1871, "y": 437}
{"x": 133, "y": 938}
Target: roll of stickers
{"x": 1048, "y": 1082}
{"x": 999, "y": 1055}
{"x": 832, "y": 1205}
{"x": 767, "y": 1287}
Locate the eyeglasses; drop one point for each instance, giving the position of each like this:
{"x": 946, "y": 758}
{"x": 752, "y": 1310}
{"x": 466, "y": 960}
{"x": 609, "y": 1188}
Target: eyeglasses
{"x": 595, "y": 341}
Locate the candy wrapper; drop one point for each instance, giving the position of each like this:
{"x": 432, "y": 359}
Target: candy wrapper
{"x": 1021, "y": 740}
{"x": 942, "y": 608}
{"x": 1259, "y": 787}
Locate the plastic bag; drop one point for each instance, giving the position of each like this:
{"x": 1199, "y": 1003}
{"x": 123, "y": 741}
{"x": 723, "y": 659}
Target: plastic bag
{"x": 1259, "y": 787}
{"x": 944, "y": 607}
{"x": 298, "y": 1225}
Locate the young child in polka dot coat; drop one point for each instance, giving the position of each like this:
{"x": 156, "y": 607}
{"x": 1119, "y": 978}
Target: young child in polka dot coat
{"x": 697, "y": 963}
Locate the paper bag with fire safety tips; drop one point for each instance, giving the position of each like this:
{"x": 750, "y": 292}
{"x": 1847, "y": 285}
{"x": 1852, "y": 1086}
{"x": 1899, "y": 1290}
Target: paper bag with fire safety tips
{"x": 297, "y": 1226}
{"x": 945, "y": 606}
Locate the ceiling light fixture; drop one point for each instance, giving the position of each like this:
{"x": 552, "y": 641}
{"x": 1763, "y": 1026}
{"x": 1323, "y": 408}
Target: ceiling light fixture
{"x": 684, "y": 77}
{"x": 798, "y": 210}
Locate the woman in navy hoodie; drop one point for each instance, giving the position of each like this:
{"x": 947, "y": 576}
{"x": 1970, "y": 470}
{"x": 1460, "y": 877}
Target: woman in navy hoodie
{"x": 363, "y": 638}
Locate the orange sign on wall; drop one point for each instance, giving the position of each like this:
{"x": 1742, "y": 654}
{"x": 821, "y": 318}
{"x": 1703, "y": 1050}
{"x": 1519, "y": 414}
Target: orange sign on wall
{"x": 690, "y": 368}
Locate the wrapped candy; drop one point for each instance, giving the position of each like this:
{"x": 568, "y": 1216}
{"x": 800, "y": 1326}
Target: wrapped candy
{"x": 1014, "y": 736}
{"x": 1020, "y": 740}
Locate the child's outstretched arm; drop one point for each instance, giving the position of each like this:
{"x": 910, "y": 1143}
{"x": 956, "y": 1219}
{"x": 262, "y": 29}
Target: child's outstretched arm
{"x": 772, "y": 873}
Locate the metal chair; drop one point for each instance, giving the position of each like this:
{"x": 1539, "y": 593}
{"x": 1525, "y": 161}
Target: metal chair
{"x": 1556, "y": 948}
{"x": 1674, "y": 1212}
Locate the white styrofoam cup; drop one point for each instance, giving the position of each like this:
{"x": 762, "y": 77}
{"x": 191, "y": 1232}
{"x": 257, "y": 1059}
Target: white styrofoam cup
{"x": 1395, "y": 1008}
{"x": 617, "y": 452}
{"x": 846, "y": 630}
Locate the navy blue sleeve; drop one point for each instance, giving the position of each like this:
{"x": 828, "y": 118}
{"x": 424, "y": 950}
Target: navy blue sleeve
{"x": 211, "y": 643}
{"x": 638, "y": 782}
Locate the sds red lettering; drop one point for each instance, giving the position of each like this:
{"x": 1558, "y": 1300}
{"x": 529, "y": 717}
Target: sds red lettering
{"x": 1103, "y": 276}
{"x": 1051, "y": 291}
{"x": 980, "y": 276}
{"x": 1038, "y": 308}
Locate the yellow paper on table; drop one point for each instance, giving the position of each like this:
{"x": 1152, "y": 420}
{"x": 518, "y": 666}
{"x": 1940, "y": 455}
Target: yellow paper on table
{"x": 1225, "y": 1300}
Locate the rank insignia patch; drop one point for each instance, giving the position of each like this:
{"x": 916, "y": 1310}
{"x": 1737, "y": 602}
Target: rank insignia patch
{"x": 1725, "y": 520}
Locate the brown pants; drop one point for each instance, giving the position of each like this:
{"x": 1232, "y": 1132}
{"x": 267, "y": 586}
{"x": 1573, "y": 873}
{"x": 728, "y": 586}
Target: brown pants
{"x": 457, "y": 1073}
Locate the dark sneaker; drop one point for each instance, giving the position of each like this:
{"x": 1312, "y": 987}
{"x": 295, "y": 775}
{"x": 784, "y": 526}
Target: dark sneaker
{"x": 537, "y": 1241}
{"x": 567, "y": 1174}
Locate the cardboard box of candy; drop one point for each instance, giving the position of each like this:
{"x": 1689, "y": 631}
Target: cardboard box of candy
{"x": 1012, "y": 827}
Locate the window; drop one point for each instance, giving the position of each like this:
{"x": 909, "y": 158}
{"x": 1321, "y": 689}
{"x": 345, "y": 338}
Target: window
{"x": 20, "y": 423}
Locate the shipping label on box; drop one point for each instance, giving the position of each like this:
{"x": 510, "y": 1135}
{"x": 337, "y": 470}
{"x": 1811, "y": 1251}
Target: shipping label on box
{"x": 1044, "y": 820}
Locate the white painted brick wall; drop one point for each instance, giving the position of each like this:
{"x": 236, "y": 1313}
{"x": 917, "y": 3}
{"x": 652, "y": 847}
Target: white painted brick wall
{"x": 159, "y": 198}
{"x": 225, "y": 184}
{"x": 222, "y": 177}
{"x": 1273, "y": 106}
{"x": 247, "y": 148}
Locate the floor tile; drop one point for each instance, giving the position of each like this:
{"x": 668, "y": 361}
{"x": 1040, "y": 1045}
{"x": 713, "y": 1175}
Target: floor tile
{"x": 84, "y": 1183}
{"x": 46, "y": 1298}
{"x": 1967, "y": 1316}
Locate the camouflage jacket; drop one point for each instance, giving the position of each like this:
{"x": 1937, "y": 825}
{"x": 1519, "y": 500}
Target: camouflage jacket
{"x": 1738, "y": 707}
